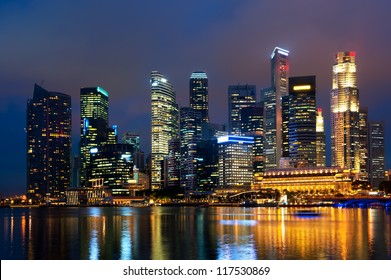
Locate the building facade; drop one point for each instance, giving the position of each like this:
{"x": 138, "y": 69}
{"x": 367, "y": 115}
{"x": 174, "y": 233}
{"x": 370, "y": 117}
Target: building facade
{"x": 49, "y": 131}
{"x": 320, "y": 140}
{"x": 344, "y": 121}
{"x": 164, "y": 124}
{"x": 235, "y": 162}
{"x": 276, "y": 115}
{"x": 376, "y": 153}
{"x": 94, "y": 121}
{"x": 199, "y": 94}
{"x": 302, "y": 121}
{"x": 239, "y": 96}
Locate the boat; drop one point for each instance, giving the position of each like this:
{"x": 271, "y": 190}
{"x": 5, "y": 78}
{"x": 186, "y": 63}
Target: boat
{"x": 307, "y": 213}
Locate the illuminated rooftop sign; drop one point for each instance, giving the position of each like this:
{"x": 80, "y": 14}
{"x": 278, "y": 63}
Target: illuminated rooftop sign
{"x": 280, "y": 51}
{"x": 101, "y": 90}
{"x": 235, "y": 139}
{"x": 301, "y": 87}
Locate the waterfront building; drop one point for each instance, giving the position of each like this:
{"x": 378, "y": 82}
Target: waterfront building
{"x": 208, "y": 171}
{"x": 235, "y": 162}
{"x": 276, "y": 109}
{"x": 48, "y": 131}
{"x": 320, "y": 139}
{"x": 113, "y": 163}
{"x": 252, "y": 125}
{"x": 190, "y": 136}
{"x": 94, "y": 131}
{"x": 376, "y": 153}
{"x": 364, "y": 142}
{"x": 325, "y": 180}
{"x": 239, "y": 96}
{"x": 164, "y": 124}
{"x": 302, "y": 121}
{"x": 174, "y": 164}
{"x": 133, "y": 139}
{"x": 199, "y": 95}
{"x": 345, "y": 143}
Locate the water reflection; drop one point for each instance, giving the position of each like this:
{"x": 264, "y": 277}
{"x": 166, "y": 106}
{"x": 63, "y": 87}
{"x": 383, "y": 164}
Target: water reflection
{"x": 193, "y": 233}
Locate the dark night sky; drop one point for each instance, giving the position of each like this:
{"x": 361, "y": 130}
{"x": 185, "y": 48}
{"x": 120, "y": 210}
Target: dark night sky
{"x": 116, "y": 44}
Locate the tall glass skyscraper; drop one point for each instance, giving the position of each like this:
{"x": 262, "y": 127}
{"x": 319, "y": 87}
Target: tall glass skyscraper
{"x": 239, "y": 96}
{"x": 94, "y": 119}
{"x": 199, "y": 98}
{"x": 377, "y": 160}
{"x": 49, "y": 126}
{"x": 164, "y": 123}
{"x": 320, "y": 139}
{"x": 302, "y": 121}
{"x": 276, "y": 119}
{"x": 345, "y": 144}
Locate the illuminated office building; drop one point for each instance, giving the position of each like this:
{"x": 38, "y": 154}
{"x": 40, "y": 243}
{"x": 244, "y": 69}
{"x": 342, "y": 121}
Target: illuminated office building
{"x": 235, "y": 162}
{"x": 345, "y": 143}
{"x": 134, "y": 140}
{"x": 239, "y": 96}
{"x": 276, "y": 109}
{"x": 48, "y": 130}
{"x": 302, "y": 121}
{"x": 190, "y": 136}
{"x": 320, "y": 140}
{"x": 174, "y": 164}
{"x": 376, "y": 153}
{"x": 199, "y": 98}
{"x": 113, "y": 163}
{"x": 164, "y": 123}
{"x": 364, "y": 142}
{"x": 252, "y": 125}
{"x": 94, "y": 119}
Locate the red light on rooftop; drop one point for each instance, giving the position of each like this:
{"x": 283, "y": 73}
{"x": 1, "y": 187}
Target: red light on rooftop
{"x": 352, "y": 53}
{"x": 320, "y": 110}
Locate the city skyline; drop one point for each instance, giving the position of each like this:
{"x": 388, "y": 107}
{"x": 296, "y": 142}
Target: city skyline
{"x": 26, "y": 64}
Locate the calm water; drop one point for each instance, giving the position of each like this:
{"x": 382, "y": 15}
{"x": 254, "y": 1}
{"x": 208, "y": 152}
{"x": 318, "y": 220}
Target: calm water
{"x": 193, "y": 233}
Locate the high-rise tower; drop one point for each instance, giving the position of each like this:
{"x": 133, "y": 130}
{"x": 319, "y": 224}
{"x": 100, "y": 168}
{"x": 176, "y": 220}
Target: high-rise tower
{"x": 302, "y": 121}
{"x": 239, "y": 96}
{"x": 48, "y": 145}
{"x": 345, "y": 144}
{"x": 164, "y": 126}
{"x": 94, "y": 119}
{"x": 276, "y": 119}
{"x": 320, "y": 139}
{"x": 199, "y": 99}
{"x": 376, "y": 153}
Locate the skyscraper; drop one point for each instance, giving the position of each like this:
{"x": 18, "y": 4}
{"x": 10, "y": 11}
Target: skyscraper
{"x": 364, "y": 142}
{"x": 320, "y": 139}
{"x": 133, "y": 139}
{"x": 376, "y": 153}
{"x": 164, "y": 126}
{"x": 239, "y": 96}
{"x": 94, "y": 119}
{"x": 345, "y": 144}
{"x": 48, "y": 145}
{"x": 302, "y": 121}
{"x": 235, "y": 162}
{"x": 276, "y": 119}
{"x": 190, "y": 136}
{"x": 252, "y": 125}
{"x": 199, "y": 98}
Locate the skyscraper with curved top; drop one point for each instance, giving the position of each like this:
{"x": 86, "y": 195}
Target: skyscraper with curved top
{"x": 164, "y": 123}
{"x": 345, "y": 144}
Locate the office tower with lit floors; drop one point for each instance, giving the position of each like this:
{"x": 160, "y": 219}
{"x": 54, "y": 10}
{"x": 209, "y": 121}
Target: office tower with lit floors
{"x": 376, "y": 153}
{"x": 94, "y": 120}
{"x": 239, "y": 96}
{"x": 190, "y": 135}
{"x": 344, "y": 113}
{"x": 235, "y": 162}
{"x": 302, "y": 121}
{"x": 164, "y": 124}
{"x": 199, "y": 94}
{"x": 364, "y": 142}
{"x": 276, "y": 110}
{"x": 49, "y": 130}
{"x": 320, "y": 139}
